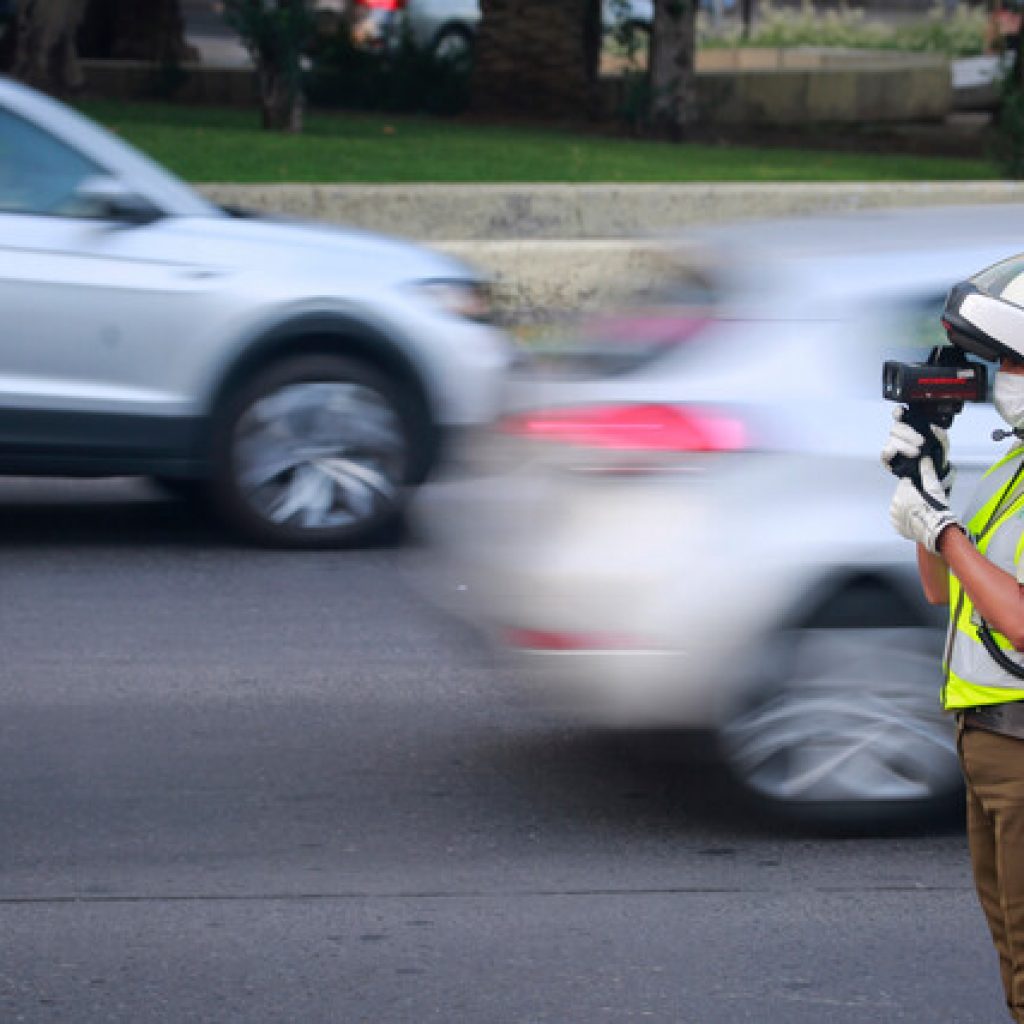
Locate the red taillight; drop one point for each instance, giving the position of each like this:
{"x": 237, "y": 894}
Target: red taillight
{"x": 382, "y": 5}
{"x": 546, "y": 640}
{"x": 647, "y": 428}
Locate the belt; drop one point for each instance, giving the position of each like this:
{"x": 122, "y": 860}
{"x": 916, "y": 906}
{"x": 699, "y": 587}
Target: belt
{"x": 1006, "y": 719}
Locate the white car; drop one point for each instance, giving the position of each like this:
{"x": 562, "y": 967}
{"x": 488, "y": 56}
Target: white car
{"x": 306, "y": 377}
{"x": 686, "y": 523}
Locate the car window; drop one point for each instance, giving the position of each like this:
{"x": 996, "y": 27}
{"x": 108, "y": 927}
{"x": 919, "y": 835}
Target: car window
{"x": 38, "y": 173}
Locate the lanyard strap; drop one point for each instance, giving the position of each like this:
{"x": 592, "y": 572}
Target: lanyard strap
{"x": 999, "y": 508}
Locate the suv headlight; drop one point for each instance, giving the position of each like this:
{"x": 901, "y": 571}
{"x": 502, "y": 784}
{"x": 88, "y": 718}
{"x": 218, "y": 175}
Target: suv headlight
{"x": 468, "y": 300}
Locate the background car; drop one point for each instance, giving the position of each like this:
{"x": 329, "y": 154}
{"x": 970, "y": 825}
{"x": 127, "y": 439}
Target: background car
{"x": 685, "y": 525}
{"x": 448, "y": 27}
{"x": 304, "y": 377}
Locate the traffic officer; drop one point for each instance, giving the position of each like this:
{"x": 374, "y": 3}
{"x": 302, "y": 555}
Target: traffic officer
{"x": 976, "y": 566}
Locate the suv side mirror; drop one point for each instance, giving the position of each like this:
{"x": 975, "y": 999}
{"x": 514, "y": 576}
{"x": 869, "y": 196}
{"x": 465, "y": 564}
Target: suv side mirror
{"x": 108, "y": 198}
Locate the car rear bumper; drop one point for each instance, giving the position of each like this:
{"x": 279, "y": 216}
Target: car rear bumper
{"x": 636, "y": 689}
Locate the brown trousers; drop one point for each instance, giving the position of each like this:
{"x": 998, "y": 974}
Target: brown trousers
{"x": 993, "y": 767}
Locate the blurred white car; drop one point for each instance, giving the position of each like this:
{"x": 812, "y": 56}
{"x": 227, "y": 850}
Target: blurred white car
{"x": 306, "y": 376}
{"x": 686, "y": 522}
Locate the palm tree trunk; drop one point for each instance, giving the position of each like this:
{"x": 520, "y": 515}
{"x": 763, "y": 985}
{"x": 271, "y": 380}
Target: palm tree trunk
{"x": 534, "y": 57}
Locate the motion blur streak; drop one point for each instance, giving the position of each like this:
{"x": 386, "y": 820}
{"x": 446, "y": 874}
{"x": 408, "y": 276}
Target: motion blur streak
{"x": 632, "y": 428}
{"x": 682, "y": 519}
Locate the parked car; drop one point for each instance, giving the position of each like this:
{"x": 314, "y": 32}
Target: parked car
{"x": 306, "y": 377}
{"x": 448, "y": 27}
{"x": 685, "y": 523}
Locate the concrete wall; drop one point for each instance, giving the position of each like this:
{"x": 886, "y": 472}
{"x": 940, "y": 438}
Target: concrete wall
{"x": 826, "y": 96}
{"x": 810, "y": 58}
{"x": 138, "y": 80}
{"x": 807, "y": 85}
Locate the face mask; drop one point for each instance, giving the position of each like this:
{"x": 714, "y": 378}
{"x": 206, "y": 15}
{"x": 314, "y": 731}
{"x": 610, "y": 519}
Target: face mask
{"x": 1008, "y": 397}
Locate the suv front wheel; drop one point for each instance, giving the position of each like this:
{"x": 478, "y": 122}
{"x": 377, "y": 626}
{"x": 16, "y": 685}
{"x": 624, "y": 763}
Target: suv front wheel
{"x": 314, "y": 451}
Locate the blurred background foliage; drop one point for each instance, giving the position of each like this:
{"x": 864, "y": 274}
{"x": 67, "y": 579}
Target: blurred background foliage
{"x": 410, "y": 80}
{"x": 406, "y": 80}
{"x": 959, "y": 34}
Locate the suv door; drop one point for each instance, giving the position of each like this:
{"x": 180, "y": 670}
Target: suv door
{"x": 92, "y": 310}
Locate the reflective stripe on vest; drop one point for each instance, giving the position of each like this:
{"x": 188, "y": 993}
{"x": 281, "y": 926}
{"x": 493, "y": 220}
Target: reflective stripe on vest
{"x": 995, "y": 518}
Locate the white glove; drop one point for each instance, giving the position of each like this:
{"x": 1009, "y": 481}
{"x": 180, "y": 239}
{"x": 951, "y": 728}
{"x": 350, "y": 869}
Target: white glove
{"x": 921, "y": 515}
{"x": 905, "y": 440}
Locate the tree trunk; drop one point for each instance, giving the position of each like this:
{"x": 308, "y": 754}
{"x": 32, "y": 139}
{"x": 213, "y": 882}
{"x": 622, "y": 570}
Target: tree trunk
{"x": 45, "y": 54}
{"x": 275, "y": 34}
{"x": 747, "y": 16}
{"x": 129, "y": 30}
{"x": 8, "y": 43}
{"x": 1017, "y": 74}
{"x": 535, "y": 57}
{"x": 282, "y": 105}
{"x": 673, "y": 79}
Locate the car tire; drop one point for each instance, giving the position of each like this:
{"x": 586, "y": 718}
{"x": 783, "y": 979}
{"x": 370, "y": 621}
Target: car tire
{"x": 453, "y": 44}
{"x": 843, "y": 725}
{"x": 317, "y": 451}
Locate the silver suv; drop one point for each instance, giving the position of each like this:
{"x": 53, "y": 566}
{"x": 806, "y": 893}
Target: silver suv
{"x": 303, "y": 377}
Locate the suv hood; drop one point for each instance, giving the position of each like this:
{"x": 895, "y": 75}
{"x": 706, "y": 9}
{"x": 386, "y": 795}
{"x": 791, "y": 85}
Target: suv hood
{"x": 256, "y": 241}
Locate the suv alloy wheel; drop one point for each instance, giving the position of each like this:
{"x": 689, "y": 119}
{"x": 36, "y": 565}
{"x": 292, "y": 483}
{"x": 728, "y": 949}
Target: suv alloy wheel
{"x": 315, "y": 451}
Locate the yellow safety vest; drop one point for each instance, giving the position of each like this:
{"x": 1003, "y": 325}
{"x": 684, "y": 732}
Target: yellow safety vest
{"x": 995, "y": 521}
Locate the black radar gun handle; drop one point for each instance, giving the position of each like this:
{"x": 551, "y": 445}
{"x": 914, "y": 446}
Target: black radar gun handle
{"x": 905, "y": 467}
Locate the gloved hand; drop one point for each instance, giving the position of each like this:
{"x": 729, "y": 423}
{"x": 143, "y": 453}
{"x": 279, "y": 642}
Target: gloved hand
{"x": 905, "y": 440}
{"x": 921, "y": 515}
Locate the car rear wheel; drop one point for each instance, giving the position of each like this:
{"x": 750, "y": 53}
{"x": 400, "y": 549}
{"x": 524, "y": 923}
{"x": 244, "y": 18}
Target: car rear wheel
{"x": 453, "y": 45}
{"x": 845, "y": 726}
{"x": 316, "y": 451}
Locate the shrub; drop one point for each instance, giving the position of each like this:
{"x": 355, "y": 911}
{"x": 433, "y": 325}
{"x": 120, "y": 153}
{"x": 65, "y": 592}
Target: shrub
{"x": 405, "y": 80}
{"x": 962, "y": 34}
{"x": 1008, "y": 145}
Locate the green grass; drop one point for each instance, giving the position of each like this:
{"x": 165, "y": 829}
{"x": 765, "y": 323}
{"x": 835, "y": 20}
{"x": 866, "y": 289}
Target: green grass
{"x": 215, "y": 144}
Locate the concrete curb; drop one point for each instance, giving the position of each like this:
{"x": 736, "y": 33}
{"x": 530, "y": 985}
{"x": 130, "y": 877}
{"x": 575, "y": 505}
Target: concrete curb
{"x": 492, "y": 212}
{"x": 566, "y": 247}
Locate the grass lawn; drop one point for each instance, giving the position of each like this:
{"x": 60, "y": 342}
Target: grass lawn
{"x": 215, "y": 144}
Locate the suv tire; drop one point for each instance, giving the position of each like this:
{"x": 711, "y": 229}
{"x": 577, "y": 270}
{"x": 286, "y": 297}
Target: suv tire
{"x": 316, "y": 451}
{"x": 844, "y": 725}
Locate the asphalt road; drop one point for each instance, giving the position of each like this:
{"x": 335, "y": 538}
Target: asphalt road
{"x": 241, "y": 786}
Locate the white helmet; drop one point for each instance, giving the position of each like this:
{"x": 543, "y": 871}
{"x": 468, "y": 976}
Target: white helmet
{"x": 985, "y": 314}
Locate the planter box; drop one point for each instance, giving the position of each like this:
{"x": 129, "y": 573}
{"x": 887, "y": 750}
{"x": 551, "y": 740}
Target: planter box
{"x": 751, "y": 87}
{"x": 787, "y": 87}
